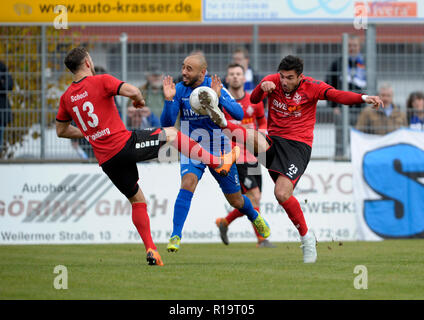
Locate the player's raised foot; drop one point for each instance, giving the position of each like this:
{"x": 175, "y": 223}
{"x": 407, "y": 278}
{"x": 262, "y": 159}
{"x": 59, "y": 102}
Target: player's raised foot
{"x": 309, "y": 247}
{"x": 262, "y": 226}
{"x": 222, "y": 225}
{"x": 212, "y": 109}
{"x": 227, "y": 161}
{"x": 153, "y": 258}
{"x": 174, "y": 244}
{"x": 265, "y": 243}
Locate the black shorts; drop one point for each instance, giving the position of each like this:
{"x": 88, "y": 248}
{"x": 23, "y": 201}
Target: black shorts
{"x": 249, "y": 181}
{"x": 287, "y": 157}
{"x": 122, "y": 169}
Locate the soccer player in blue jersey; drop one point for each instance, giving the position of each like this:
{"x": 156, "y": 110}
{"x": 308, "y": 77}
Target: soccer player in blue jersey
{"x": 197, "y": 126}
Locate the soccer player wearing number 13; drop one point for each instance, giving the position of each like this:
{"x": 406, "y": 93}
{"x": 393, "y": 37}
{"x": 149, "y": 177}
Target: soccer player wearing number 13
{"x": 89, "y": 103}
{"x": 286, "y": 150}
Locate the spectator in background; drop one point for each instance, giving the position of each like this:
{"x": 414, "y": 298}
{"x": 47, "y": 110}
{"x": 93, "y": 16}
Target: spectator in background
{"x": 152, "y": 90}
{"x": 141, "y": 118}
{"x": 241, "y": 57}
{"x": 385, "y": 120}
{"x": 415, "y": 110}
{"x": 356, "y": 80}
{"x": 6, "y": 84}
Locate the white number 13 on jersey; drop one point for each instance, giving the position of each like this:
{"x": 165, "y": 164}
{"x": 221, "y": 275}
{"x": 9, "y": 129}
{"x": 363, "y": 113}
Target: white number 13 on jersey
{"x": 94, "y": 119}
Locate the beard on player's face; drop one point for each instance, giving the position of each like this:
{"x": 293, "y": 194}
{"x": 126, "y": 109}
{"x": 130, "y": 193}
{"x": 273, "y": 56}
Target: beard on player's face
{"x": 190, "y": 81}
{"x": 290, "y": 86}
{"x": 235, "y": 85}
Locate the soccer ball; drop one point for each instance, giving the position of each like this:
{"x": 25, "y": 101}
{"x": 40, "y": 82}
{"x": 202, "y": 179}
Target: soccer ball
{"x": 200, "y": 96}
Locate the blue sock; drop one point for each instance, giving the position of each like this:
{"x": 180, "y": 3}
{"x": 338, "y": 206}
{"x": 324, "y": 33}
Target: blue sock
{"x": 248, "y": 209}
{"x": 181, "y": 208}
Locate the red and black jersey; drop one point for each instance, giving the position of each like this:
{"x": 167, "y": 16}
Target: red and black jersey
{"x": 90, "y": 104}
{"x": 292, "y": 115}
{"x": 254, "y": 114}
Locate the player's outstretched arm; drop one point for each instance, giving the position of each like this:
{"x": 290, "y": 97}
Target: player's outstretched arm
{"x": 216, "y": 84}
{"x": 169, "y": 89}
{"x": 132, "y": 92}
{"x": 225, "y": 99}
{"x": 171, "y": 106}
{"x": 66, "y": 130}
{"x": 375, "y": 101}
{"x": 350, "y": 98}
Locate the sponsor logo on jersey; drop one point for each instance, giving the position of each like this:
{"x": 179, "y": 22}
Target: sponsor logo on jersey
{"x": 279, "y": 105}
{"x": 294, "y": 108}
{"x": 144, "y": 144}
{"x": 98, "y": 134}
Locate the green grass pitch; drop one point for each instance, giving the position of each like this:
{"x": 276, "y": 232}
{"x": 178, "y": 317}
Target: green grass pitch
{"x": 239, "y": 271}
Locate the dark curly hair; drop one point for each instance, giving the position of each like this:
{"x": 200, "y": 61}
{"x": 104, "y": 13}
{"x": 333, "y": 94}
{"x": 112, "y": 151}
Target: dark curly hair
{"x": 75, "y": 58}
{"x": 291, "y": 63}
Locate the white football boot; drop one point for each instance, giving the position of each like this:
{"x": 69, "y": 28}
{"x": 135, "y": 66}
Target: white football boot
{"x": 309, "y": 247}
{"x": 212, "y": 109}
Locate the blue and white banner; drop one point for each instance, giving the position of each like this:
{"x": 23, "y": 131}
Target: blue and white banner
{"x": 388, "y": 184}
{"x": 325, "y": 11}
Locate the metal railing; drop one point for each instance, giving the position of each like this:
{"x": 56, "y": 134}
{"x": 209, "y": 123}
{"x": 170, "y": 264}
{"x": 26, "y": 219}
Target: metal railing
{"x": 34, "y": 57}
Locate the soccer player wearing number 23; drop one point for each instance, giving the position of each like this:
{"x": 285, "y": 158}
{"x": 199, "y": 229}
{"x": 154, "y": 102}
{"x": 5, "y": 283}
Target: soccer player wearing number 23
{"x": 292, "y": 102}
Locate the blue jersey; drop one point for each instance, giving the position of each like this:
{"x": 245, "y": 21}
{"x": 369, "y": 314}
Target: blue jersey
{"x": 200, "y": 127}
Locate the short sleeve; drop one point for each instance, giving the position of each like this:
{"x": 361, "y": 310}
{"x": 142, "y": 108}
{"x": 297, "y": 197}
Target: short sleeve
{"x": 111, "y": 84}
{"x": 62, "y": 113}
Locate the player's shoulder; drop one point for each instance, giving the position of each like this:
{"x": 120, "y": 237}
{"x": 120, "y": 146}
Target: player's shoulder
{"x": 65, "y": 95}
{"x": 180, "y": 85}
{"x": 182, "y": 89}
{"x": 309, "y": 81}
{"x": 101, "y": 77}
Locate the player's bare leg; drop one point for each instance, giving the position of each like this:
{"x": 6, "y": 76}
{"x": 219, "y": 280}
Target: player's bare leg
{"x": 141, "y": 221}
{"x": 255, "y": 141}
{"x": 283, "y": 191}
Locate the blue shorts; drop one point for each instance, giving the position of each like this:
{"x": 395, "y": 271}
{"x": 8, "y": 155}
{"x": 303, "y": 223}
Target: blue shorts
{"x": 229, "y": 184}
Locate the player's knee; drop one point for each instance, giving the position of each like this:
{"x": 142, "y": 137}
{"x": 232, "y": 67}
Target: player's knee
{"x": 189, "y": 182}
{"x": 282, "y": 195}
{"x": 171, "y": 133}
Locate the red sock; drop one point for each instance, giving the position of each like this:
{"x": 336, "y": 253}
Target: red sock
{"x": 141, "y": 221}
{"x": 235, "y": 127}
{"x": 233, "y": 215}
{"x": 193, "y": 150}
{"x": 295, "y": 214}
{"x": 236, "y": 132}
